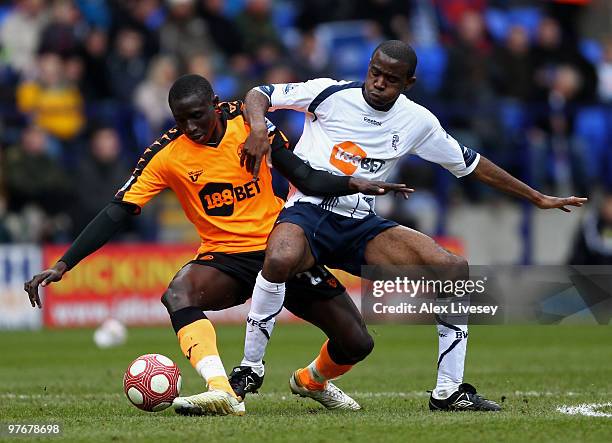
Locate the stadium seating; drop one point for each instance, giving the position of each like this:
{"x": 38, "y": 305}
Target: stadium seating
{"x": 431, "y": 67}
{"x": 591, "y": 126}
{"x": 349, "y": 45}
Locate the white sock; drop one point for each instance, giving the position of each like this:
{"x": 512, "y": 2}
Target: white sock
{"x": 452, "y": 344}
{"x": 211, "y": 366}
{"x": 266, "y": 303}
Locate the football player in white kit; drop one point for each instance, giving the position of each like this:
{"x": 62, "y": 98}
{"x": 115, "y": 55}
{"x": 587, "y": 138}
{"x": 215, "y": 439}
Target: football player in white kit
{"x": 361, "y": 129}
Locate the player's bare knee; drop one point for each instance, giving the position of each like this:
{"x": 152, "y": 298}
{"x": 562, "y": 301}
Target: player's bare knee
{"x": 358, "y": 348}
{"x": 280, "y": 265}
{"x": 180, "y": 294}
{"x": 449, "y": 266}
{"x": 365, "y": 347}
{"x": 458, "y": 267}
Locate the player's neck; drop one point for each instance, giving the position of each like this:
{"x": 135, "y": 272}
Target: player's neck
{"x": 218, "y": 133}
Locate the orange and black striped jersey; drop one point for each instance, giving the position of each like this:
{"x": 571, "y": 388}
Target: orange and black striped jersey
{"x": 231, "y": 212}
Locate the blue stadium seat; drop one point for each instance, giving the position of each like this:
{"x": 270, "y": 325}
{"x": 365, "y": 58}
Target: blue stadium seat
{"x": 529, "y": 18}
{"x": 283, "y": 15}
{"x": 591, "y": 126}
{"x": 225, "y": 87}
{"x": 591, "y": 50}
{"x": 431, "y": 67}
{"x": 497, "y": 22}
{"x": 512, "y": 116}
{"x": 349, "y": 46}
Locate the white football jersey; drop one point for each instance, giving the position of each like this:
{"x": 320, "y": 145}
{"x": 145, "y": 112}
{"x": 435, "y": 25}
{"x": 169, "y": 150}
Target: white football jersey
{"x": 346, "y": 136}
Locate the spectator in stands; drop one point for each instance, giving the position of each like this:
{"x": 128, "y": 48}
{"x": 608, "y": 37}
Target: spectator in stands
{"x": 604, "y": 72}
{"x": 74, "y": 69}
{"x": 20, "y": 34}
{"x": 5, "y": 235}
{"x": 549, "y": 52}
{"x": 467, "y": 82}
{"x": 151, "y": 97}
{"x": 54, "y": 103}
{"x": 392, "y": 16}
{"x": 451, "y": 12}
{"x": 184, "y": 34}
{"x": 593, "y": 242}
{"x": 223, "y": 31}
{"x": 255, "y": 24}
{"x": 63, "y": 33}
{"x": 512, "y": 66}
{"x": 95, "y": 52}
{"x": 309, "y": 59}
{"x": 127, "y": 65}
{"x": 311, "y": 13}
{"x": 32, "y": 176}
{"x": 142, "y": 16}
{"x": 467, "y": 77}
{"x": 552, "y": 138}
{"x": 99, "y": 175}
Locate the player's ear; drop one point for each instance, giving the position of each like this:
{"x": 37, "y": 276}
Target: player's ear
{"x": 410, "y": 82}
{"x": 215, "y": 101}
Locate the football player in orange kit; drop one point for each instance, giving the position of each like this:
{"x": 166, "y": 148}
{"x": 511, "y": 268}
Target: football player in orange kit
{"x": 199, "y": 160}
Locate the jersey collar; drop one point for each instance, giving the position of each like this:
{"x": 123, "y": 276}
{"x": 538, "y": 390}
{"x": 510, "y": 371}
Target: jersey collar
{"x": 385, "y": 108}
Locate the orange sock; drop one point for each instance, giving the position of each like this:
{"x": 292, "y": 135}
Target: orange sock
{"x": 323, "y": 368}
{"x": 198, "y": 341}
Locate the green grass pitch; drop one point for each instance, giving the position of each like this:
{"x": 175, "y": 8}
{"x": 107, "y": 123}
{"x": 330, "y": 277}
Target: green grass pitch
{"x": 61, "y": 377}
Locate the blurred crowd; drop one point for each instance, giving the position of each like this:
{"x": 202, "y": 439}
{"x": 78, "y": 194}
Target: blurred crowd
{"x": 83, "y": 87}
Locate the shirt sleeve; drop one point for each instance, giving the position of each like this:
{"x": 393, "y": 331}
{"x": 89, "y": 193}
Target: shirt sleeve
{"x": 147, "y": 180}
{"x": 277, "y": 139}
{"x": 296, "y": 96}
{"x": 439, "y": 147}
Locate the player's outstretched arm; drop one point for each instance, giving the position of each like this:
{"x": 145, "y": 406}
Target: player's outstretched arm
{"x": 256, "y": 146}
{"x": 324, "y": 184}
{"x": 489, "y": 173}
{"x": 95, "y": 235}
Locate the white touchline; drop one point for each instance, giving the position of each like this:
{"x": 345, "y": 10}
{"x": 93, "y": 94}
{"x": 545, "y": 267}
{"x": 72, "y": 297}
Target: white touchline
{"x": 588, "y": 409}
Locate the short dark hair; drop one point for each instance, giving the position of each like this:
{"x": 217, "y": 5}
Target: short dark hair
{"x": 188, "y": 85}
{"x": 401, "y": 51}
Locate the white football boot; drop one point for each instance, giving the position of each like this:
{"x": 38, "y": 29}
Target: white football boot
{"x": 332, "y": 397}
{"x": 209, "y": 403}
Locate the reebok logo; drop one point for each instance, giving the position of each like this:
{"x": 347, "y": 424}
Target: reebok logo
{"x": 348, "y": 156}
{"x": 372, "y": 121}
{"x": 194, "y": 175}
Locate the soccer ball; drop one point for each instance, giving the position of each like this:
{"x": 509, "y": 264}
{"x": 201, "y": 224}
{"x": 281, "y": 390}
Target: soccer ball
{"x": 110, "y": 333}
{"x": 151, "y": 382}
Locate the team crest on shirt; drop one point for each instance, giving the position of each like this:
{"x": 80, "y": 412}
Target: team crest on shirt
{"x": 194, "y": 175}
{"x": 394, "y": 141}
{"x": 289, "y": 87}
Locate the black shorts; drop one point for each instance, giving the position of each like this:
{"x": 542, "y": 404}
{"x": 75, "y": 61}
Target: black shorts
{"x": 335, "y": 240}
{"x": 244, "y": 267}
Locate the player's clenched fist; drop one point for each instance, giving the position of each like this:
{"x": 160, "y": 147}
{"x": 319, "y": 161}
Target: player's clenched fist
{"x": 44, "y": 278}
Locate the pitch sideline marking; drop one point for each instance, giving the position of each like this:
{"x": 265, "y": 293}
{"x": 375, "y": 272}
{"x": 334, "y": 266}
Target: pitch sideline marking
{"x": 587, "y": 409}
